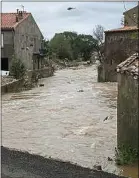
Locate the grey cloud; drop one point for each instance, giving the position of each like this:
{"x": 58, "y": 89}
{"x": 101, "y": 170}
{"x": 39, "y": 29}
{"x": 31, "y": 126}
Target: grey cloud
{"x": 53, "y": 17}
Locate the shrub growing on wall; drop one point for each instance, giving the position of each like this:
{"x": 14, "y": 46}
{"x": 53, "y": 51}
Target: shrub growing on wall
{"x": 18, "y": 68}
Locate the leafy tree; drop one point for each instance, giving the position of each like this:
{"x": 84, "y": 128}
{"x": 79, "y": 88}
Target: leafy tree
{"x": 61, "y": 47}
{"x": 82, "y": 45}
{"x": 72, "y": 46}
{"x": 72, "y": 36}
{"x": 46, "y": 50}
{"x": 86, "y": 45}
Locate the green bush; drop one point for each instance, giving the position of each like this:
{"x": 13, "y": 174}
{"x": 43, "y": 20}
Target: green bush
{"x": 18, "y": 68}
{"x": 126, "y": 155}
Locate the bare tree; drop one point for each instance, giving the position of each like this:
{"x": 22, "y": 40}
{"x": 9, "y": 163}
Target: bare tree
{"x": 98, "y": 34}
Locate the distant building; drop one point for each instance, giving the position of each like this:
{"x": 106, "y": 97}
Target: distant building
{"x": 21, "y": 37}
{"x": 131, "y": 17}
{"x": 127, "y": 102}
{"x": 119, "y": 45}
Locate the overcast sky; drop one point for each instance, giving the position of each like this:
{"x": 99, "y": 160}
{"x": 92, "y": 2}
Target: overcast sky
{"x": 53, "y": 17}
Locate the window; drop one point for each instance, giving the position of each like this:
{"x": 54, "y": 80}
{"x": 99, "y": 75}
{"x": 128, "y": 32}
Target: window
{"x": 2, "y": 44}
{"x": 134, "y": 15}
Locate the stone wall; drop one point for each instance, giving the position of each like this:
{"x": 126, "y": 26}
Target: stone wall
{"x": 42, "y": 73}
{"x": 127, "y": 111}
{"x": 101, "y": 73}
{"x": 15, "y": 86}
{"x": 12, "y": 87}
{"x": 118, "y": 47}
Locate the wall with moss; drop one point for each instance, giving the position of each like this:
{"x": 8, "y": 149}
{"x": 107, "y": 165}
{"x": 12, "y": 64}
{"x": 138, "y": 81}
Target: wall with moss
{"x": 127, "y": 111}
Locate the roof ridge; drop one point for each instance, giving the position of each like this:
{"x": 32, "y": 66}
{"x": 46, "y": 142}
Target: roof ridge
{"x": 21, "y": 21}
{"x": 130, "y": 9}
{"x": 15, "y": 12}
{"x": 125, "y": 28}
{"x": 131, "y": 65}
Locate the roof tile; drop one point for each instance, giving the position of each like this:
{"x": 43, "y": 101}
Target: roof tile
{"x": 9, "y": 20}
{"x": 130, "y": 65}
{"x": 125, "y": 28}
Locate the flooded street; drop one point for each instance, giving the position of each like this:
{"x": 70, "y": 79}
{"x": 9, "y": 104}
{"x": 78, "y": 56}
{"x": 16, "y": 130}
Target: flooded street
{"x": 64, "y": 119}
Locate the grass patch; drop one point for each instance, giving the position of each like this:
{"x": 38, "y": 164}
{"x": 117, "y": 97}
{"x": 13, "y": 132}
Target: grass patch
{"x": 126, "y": 155}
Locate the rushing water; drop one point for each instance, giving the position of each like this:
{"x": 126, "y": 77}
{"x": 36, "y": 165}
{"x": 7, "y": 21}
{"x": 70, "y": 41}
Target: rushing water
{"x": 65, "y": 119}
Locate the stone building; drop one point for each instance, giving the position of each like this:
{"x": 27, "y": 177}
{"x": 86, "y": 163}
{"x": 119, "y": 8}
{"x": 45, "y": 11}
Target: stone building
{"x": 21, "y": 37}
{"x": 119, "y": 45}
{"x": 127, "y": 103}
{"x": 131, "y": 17}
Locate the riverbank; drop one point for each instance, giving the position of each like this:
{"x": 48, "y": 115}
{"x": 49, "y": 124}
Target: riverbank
{"x": 10, "y": 84}
{"x": 24, "y": 165}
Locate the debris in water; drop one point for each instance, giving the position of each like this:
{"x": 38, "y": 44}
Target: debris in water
{"x": 106, "y": 118}
{"x": 80, "y": 90}
{"x": 41, "y": 85}
{"x": 97, "y": 167}
{"x": 110, "y": 159}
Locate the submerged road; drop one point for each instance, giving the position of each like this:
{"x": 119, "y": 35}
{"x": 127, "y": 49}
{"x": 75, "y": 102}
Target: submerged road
{"x": 64, "y": 119}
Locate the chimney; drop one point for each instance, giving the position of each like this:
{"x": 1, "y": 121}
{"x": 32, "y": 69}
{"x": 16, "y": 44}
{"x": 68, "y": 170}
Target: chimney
{"x": 20, "y": 15}
{"x": 17, "y": 18}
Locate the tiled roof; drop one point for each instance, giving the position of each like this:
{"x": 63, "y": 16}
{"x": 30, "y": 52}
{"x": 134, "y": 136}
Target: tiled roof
{"x": 130, "y": 65}
{"x": 8, "y": 20}
{"x": 125, "y": 28}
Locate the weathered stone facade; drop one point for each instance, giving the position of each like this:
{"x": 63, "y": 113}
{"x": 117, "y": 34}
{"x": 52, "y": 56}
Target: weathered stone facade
{"x": 127, "y": 103}
{"x": 27, "y": 41}
{"x": 119, "y": 45}
{"x": 21, "y": 38}
{"x": 131, "y": 16}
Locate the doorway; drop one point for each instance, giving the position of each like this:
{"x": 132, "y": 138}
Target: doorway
{"x": 4, "y": 64}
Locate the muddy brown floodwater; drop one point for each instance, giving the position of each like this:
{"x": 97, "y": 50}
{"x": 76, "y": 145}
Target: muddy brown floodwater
{"x": 65, "y": 119}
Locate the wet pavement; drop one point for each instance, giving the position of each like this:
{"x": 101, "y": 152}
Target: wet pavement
{"x": 64, "y": 119}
